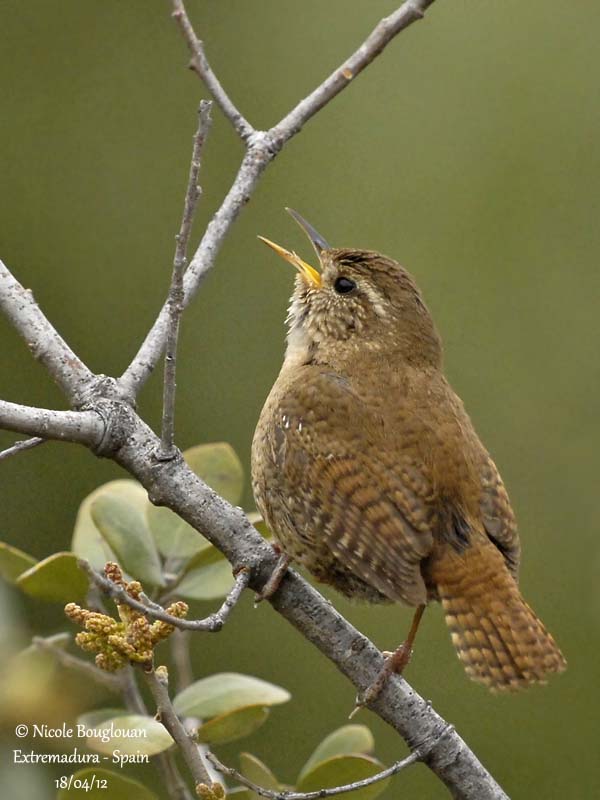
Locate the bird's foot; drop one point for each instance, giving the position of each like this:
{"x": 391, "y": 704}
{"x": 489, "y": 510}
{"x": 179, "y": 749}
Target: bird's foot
{"x": 393, "y": 664}
{"x": 275, "y": 578}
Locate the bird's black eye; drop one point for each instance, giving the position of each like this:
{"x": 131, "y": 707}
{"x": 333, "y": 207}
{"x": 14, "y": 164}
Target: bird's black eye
{"x": 344, "y": 285}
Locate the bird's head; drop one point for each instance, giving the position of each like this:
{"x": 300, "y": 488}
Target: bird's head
{"x": 358, "y": 302}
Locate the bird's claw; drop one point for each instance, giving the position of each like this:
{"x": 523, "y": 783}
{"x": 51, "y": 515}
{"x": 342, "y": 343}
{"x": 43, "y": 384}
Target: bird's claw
{"x": 274, "y": 582}
{"x": 394, "y": 663}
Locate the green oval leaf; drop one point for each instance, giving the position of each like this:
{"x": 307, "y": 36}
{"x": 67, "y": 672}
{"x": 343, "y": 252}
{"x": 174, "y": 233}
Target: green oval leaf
{"x": 210, "y": 579}
{"x": 340, "y": 770}
{"x": 93, "y": 719}
{"x": 254, "y": 770}
{"x": 131, "y": 734}
{"x": 232, "y": 725}
{"x": 117, "y": 786}
{"x": 347, "y": 740}
{"x": 218, "y": 466}
{"x": 87, "y": 540}
{"x": 124, "y": 528}
{"x": 227, "y": 691}
{"x": 57, "y": 578}
{"x": 13, "y": 562}
{"x": 173, "y": 536}
{"x": 209, "y": 555}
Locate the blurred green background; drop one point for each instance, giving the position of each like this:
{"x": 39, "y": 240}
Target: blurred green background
{"x": 469, "y": 152}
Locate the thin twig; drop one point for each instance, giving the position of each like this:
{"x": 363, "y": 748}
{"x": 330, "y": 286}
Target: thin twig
{"x": 381, "y": 35}
{"x": 108, "y": 680}
{"x": 317, "y": 793}
{"x": 134, "y": 702}
{"x": 200, "y": 65}
{"x": 262, "y": 148}
{"x": 210, "y": 624}
{"x": 20, "y": 447}
{"x": 159, "y": 688}
{"x": 176, "y": 294}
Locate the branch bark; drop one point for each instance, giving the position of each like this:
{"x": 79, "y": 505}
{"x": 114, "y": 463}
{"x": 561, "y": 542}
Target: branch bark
{"x": 159, "y": 689}
{"x": 82, "y": 427}
{"x": 200, "y": 65}
{"x": 318, "y": 793}
{"x": 176, "y": 295}
{"x": 212, "y": 624}
{"x": 20, "y": 447}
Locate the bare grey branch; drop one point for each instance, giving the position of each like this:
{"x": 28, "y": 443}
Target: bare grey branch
{"x": 383, "y": 33}
{"x": 254, "y": 163}
{"x": 20, "y": 447}
{"x": 82, "y": 427}
{"x": 176, "y": 788}
{"x": 176, "y": 294}
{"x": 211, "y": 624}
{"x": 200, "y": 65}
{"x": 262, "y": 148}
{"x": 317, "y": 793}
{"x": 158, "y": 685}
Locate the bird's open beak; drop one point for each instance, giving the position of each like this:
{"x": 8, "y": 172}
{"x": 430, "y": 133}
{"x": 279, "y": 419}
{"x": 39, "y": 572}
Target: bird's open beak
{"x": 310, "y": 274}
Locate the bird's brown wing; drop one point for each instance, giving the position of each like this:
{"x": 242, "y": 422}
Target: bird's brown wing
{"x": 361, "y": 501}
{"x": 498, "y": 517}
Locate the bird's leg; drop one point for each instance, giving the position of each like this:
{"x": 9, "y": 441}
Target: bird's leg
{"x": 275, "y": 578}
{"x": 393, "y": 663}
{"x": 402, "y": 654}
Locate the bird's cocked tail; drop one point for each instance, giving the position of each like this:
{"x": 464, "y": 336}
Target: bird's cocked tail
{"x": 497, "y": 636}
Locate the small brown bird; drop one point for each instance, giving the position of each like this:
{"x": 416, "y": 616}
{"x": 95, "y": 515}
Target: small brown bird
{"x": 368, "y": 471}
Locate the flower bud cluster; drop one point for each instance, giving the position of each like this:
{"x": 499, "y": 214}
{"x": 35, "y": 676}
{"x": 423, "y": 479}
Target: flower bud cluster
{"x": 132, "y": 638}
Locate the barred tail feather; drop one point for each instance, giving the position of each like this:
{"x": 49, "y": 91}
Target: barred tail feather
{"x": 497, "y": 636}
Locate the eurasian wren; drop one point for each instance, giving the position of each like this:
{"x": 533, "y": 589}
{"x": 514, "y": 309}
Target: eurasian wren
{"x": 369, "y": 472}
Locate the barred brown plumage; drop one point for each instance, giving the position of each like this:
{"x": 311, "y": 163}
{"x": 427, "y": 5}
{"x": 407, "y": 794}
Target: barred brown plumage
{"x": 497, "y": 636}
{"x": 369, "y": 472}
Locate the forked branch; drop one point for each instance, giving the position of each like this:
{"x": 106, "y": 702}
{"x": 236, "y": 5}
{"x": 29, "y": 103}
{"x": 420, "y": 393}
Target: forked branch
{"x": 262, "y": 148}
{"x": 211, "y": 624}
